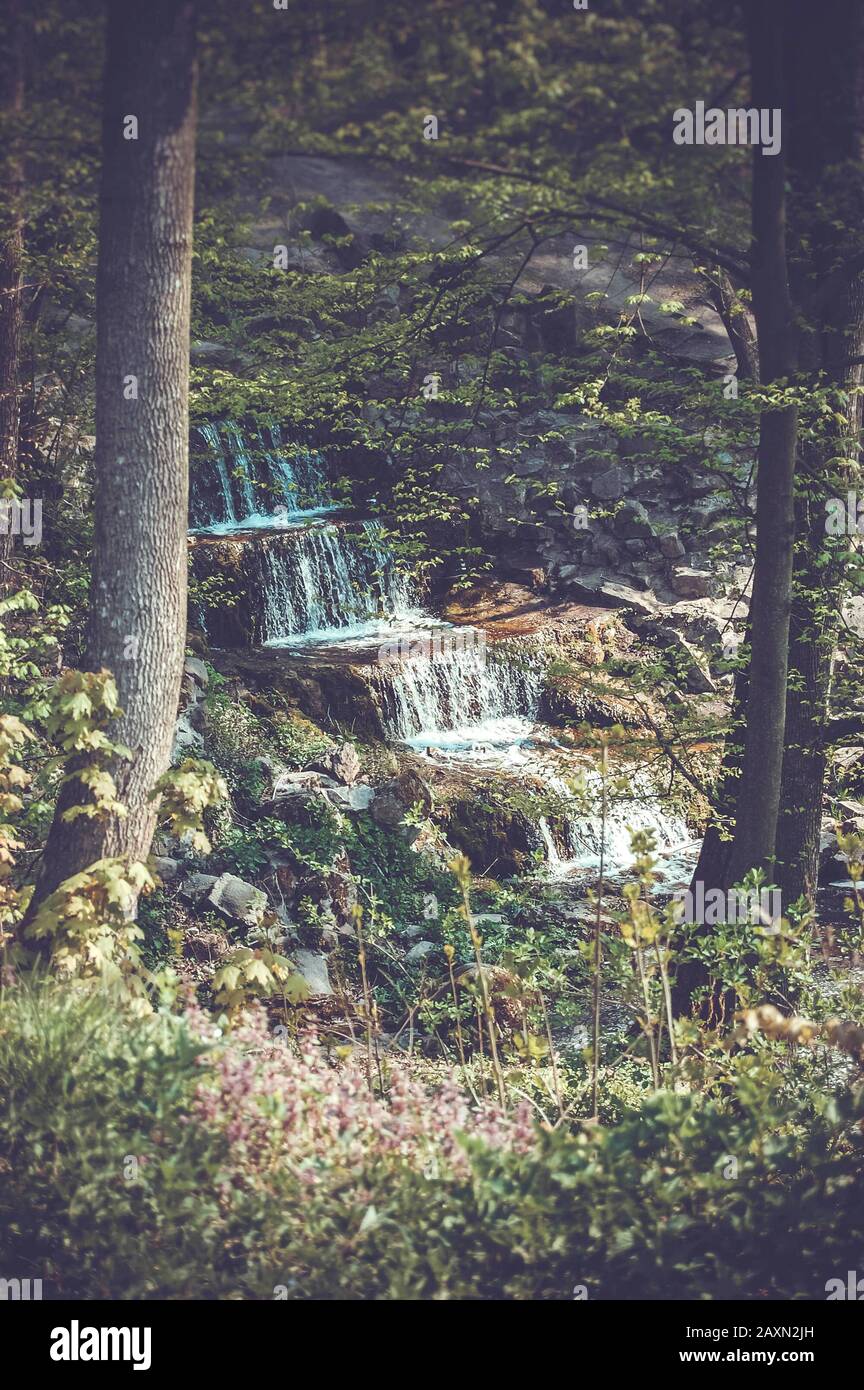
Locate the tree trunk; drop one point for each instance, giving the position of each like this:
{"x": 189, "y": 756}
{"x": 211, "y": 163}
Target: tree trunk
{"x": 826, "y": 64}
{"x": 741, "y": 832}
{"x": 11, "y": 256}
{"x": 138, "y": 591}
{"x": 758, "y": 797}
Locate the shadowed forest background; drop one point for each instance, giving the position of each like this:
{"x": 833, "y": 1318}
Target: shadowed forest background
{"x": 431, "y": 762}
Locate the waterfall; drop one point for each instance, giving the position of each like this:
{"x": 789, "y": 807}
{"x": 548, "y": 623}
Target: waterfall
{"x": 329, "y": 584}
{"x": 326, "y": 584}
{"x": 252, "y": 479}
{"x": 459, "y": 698}
{"x": 576, "y": 839}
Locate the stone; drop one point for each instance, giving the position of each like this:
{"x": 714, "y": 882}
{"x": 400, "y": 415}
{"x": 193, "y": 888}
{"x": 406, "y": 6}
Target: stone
{"x": 237, "y": 900}
{"x": 288, "y": 784}
{"x": 197, "y": 886}
{"x": 688, "y": 662}
{"x": 341, "y": 763}
{"x": 167, "y": 869}
{"x": 633, "y": 522}
{"x": 387, "y": 809}
{"x": 612, "y": 485}
{"x": 314, "y": 970}
{"x": 605, "y": 550}
{"x": 419, "y": 952}
{"x": 188, "y": 742}
{"x": 197, "y": 669}
{"x": 671, "y": 546}
{"x": 691, "y": 583}
{"x": 358, "y": 798}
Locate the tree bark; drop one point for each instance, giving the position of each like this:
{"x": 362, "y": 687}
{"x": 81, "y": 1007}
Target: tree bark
{"x": 11, "y": 256}
{"x": 759, "y": 786}
{"x": 138, "y": 589}
{"x": 826, "y": 66}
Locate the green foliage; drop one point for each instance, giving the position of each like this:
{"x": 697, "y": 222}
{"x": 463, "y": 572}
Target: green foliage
{"x": 110, "y": 1190}
{"x": 249, "y": 973}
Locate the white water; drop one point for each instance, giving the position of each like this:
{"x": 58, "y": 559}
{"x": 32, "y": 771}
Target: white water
{"x": 325, "y": 585}
{"x": 255, "y": 481}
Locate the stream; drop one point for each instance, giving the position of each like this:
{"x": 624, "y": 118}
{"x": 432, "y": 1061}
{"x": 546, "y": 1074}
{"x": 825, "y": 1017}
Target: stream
{"x": 443, "y": 690}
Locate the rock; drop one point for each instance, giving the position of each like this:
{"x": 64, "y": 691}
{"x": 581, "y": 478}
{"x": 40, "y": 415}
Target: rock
{"x": 690, "y": 583}
{"x": 419, "y": 952}
{"x": 197, "y": 886}
{"x": 197, "y": 669}
{"x": 314, "y": 970}
{"x": 387, "y": 808}
{"x": 168, "y": 869}
{"x": 237, "y": 900}
{"x": 416, "y": 929}
{"x": 624, "y": 596}
{"x": 687, "y": 661}
{"x": 670, "y": 546}
{"x": 528, "y": 466}
{"x": 611, "y": 485}
{"x": 188, "y": 742}
{"x": 605, "y": 550}
{"x": 357, "y": 798}
{"x": 301, "y": 783}
{"x": 633, "y": 522}
{"x": 341, "y": 763}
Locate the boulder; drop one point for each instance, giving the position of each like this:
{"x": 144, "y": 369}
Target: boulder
{"x": 167, "y": 869}
{"x": 188, "y": 742}
{"x": 196, "y": 887}
{"x": 289, "y": 784}
{"x": 358, "y": 798}
{"x": 237, "y": 900}
{"x": 687, "y": 661}
{"x": 633, "y": 522}
{"x": 691, "y": 583}
{"x": 612, "y": 485}
{"x": 197, "y": 669}
{"x": 341, "y": 763}
{"x": 671, "y": 546}
{"x": 387, "y": 808}
{"x": 314, "y": 970}
{"x": 419, "y": 952}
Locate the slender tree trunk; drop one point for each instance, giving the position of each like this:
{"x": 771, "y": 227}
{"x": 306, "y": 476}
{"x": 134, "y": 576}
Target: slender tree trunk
{"x": 759, "y": 786}
{"x": 11, "y": 254}
{"x": 741, "y": 832}
{"x": 138, "y": 595}
{"x": 826, "y": 171}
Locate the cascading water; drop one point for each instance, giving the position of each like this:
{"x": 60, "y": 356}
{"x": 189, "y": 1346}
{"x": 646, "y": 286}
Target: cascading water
{"x": 329, "y": 584}
{"x": 460, "y": 699}
{"x": 252, "y": 480}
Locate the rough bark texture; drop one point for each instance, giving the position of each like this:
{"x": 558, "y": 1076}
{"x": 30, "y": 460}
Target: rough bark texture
{"x": 826, "y": 169}
{"x": 11, "y": 254}
{"x": 138, "y": 596}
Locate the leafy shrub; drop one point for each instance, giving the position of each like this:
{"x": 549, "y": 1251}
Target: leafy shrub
{"x": 178, "y": 1159}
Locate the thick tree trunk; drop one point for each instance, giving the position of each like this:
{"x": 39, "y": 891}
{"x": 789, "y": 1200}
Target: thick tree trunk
{"x": 11, "y": 255}
{"x": 826, "y": 170}
{"x": 138, "y": 596}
